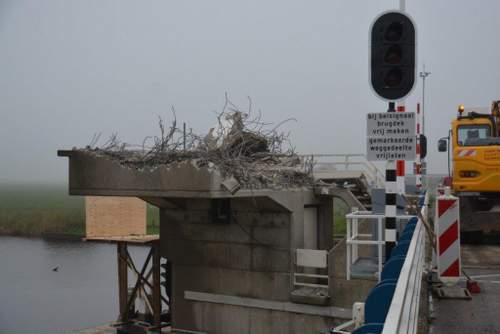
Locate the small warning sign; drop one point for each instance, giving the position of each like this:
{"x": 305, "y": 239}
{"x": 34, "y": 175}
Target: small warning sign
{"x": 391, "y": 136}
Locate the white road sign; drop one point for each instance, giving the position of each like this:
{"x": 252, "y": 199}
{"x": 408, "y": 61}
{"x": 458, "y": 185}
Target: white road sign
{"x": 391, "y": 136}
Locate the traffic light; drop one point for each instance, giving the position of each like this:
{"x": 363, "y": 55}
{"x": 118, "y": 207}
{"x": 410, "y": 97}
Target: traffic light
{"x": 423, "y": 146}
{"x": 392, "y": 56}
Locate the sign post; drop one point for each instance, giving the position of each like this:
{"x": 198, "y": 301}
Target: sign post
{"x": 390, "y": 137}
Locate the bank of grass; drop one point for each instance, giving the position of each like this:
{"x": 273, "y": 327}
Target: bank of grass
{"x": 340, "y": 209}
{"x": 35, "y": 209}
{"x": 153, "y": 217}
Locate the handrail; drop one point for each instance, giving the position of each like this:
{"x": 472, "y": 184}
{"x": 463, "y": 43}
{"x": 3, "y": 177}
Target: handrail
{"x": 403, "y": 312}
{"x": 374, "y": 176}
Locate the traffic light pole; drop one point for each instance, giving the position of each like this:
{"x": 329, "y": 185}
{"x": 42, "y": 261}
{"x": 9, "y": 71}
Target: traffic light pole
{"x": 392, "y": 77}
{"x": 390, "y": 201}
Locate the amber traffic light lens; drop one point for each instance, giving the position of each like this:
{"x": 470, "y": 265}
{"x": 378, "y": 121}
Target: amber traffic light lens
{"x": 394, "y": 32}
{"x": 393, "y": 78}
{"x": 393, "y": 55}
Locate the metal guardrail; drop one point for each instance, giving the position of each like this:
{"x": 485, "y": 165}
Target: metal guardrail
{"x": 349, "y": 162}
{"x": 403, "y": 312}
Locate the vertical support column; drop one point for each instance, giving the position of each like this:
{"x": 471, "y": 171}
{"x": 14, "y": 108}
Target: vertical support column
{"x": 390, "y": 207}
{"x": 418, "y": 160}
{"x": 156, "y": 285}
{"x": 349, "y": 247}
{"x": 121, "y": 248}
{"x": 325, "y": 219}
{"x": 391, "y": 189}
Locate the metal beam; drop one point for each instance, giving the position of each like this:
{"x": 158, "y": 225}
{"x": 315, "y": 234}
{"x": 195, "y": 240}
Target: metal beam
{"x": 156, "y": 285}
{"x": 122, "y": 280}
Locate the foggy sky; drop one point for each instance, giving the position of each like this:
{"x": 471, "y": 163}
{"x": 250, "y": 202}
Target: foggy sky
{"x": 69, "y": 69}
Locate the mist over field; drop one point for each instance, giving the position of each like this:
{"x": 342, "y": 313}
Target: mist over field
{"x": 71, "y": 69}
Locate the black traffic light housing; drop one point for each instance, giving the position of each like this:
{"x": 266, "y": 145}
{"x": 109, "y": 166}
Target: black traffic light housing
{"x": 392, "y": 56}
{"x": 423, "y": 146}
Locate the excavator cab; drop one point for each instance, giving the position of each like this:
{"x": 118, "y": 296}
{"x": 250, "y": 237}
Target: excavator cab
{"x": 475, "y": 151}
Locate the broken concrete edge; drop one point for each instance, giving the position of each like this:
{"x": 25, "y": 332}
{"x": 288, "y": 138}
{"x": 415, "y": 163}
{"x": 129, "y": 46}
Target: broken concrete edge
{"x": 258, "y": 172}
{"x": 324, "y": 311}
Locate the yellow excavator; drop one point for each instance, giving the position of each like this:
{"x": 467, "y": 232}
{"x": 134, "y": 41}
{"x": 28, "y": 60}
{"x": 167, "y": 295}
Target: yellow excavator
{"x": 474, "y": 143}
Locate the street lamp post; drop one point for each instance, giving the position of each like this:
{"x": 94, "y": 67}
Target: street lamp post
{"x": 423, "y": 75}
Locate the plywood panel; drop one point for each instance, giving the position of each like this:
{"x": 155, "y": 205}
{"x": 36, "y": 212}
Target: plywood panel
{"x": 114, "y": 216}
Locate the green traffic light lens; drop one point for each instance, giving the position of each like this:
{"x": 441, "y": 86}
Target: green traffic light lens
{"x": 393, "y": 78}
{"x": 394, "y": 32}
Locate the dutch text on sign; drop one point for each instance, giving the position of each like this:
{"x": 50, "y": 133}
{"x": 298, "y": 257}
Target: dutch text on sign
{"x": 391, "y": 136}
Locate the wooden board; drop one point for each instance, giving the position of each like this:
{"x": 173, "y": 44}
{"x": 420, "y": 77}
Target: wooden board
{"x": 114, "y": 216}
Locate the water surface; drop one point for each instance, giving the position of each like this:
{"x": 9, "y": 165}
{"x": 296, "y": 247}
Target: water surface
{"x": 36, "y": 299}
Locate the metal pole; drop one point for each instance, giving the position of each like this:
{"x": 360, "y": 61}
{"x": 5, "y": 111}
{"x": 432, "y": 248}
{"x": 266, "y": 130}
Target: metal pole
{"x": 184, "y": 136}
{"x": 423, "y": 105}
{"x": 402, "y": 5}
{"x": 423, "y": 75}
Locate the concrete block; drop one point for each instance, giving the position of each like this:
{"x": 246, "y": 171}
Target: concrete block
{"x": 227, "y": 233}
{"x": 301, "y": 323}
{"x": 263, "y": 285}
{"x": 262, "y": 219}
{"x": 275, "y": 237}
{"x": 273, "y": 260}
{"x": 212, "y": 318}
{"x": 257, "y": 204}
{"x": 345, "y": 293}
{"x": 221, "y": 255}
{"x": 269, "y": 322}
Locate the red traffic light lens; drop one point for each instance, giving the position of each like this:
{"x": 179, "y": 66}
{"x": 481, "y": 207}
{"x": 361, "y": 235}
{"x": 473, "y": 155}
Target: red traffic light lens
{"x": 394, "y": 32}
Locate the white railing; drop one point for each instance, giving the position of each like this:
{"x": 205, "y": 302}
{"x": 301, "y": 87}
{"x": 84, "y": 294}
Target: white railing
{"x": 403, "y": 312}
{"x": 311, "y": 258}
{"x": 349, "y": 162}
{"x": 354, "y": 239}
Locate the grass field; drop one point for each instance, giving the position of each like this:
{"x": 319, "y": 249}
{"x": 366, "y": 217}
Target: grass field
{"x": 31, "y": 210}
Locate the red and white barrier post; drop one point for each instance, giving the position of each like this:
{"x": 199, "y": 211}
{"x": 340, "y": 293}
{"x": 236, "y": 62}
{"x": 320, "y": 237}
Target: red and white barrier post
{"x": 447, "y": 230}
{"x": 400, "y": 164}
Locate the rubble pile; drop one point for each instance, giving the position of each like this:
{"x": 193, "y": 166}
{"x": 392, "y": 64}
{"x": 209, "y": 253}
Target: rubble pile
{"x": 240, "y": 147}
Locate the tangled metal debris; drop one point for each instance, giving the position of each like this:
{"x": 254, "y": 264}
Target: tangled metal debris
{"x": 240, "y": 146}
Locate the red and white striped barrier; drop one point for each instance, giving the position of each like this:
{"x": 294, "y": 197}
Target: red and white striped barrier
{"x": 447, "y": 229}
{"x": 400, "y": 164}
{"x": 467, "y": 153}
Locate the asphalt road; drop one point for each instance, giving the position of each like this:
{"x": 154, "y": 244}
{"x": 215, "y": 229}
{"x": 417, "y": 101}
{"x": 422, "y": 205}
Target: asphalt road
{"x": 481, "y": 314}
